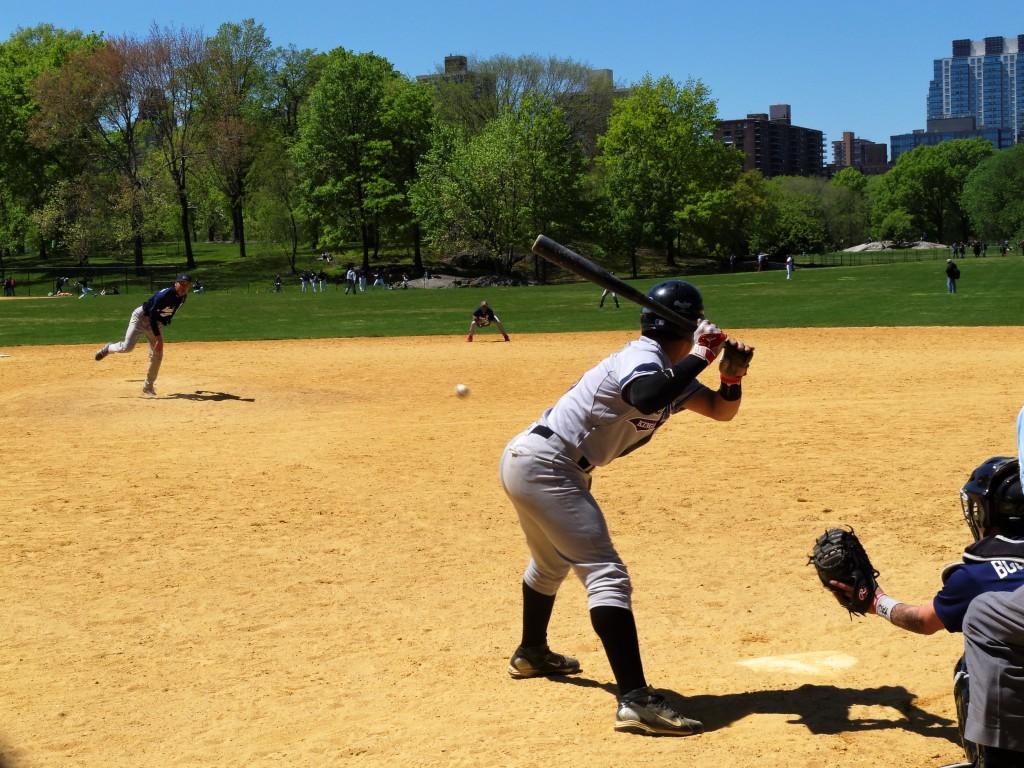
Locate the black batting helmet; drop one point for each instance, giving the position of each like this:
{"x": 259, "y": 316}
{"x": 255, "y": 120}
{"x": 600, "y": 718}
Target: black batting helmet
{"x": 992, "y": 497}
{"x": 677, "y": 295}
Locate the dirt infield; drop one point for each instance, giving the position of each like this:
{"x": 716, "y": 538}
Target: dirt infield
{"x": 300, "y": 553}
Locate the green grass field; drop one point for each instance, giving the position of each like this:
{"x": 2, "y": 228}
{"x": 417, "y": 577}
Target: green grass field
{"x": 991, "y": 292}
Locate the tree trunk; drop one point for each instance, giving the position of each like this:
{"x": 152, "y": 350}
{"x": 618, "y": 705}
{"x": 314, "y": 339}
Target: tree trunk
{"x": 137, "y": 248}
{"x": 632, "y": 262}
{"x": 42, "y": 248}
{"x": 417, "y": 260}
{"x": 295, "y": 241}
{"x": 365, "y": 234}
{"x": 186, "y": 230}
{"x": 670, "y": 251}
{"x": 238, "y": 225}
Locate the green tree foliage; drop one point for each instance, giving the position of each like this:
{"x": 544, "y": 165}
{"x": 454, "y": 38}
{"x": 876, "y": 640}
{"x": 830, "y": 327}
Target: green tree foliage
{"x": 235, "y": 95}
{"x": 732, "y": 220}
{"x": 799, "y": 225}
{"x": 93, "y": 105}
{"x": 28, "y": 170}
{"x": 994, "y": 195}
{"x": 361, "y": 127}
{"x": 927, "y": 184}
{"x": 501, "y": 83}
{"x": 657, "y": 159}
{"x": 497, "y": 190}
{"x": 173, "y": 72}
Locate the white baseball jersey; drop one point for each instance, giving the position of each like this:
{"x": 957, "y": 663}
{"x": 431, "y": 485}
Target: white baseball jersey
{"x": 593, "y": 416}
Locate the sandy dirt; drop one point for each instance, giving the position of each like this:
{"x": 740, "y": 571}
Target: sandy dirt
{"x": 300, "y": 554}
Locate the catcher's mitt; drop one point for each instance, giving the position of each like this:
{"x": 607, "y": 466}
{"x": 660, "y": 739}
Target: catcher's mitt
{"x": 839, "y": 556}
{"x": 735, "y": 362}
{"x": 482, "y": 322}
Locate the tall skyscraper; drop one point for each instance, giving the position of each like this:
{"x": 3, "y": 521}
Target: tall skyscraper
{"x": 978, "y": 92}
{"x": 983, "y": 79}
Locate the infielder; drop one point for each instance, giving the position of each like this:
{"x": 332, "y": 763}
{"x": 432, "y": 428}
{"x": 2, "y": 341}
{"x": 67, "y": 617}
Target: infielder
{"x": 482, "y": 317}
{"x": 146, "y": 320}
{"x": 616, "y": 407}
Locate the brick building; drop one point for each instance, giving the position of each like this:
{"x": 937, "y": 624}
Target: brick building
{"x": 774, "y": 146}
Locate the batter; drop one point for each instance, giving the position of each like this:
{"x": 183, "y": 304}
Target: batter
{"x": 615, "y": 408}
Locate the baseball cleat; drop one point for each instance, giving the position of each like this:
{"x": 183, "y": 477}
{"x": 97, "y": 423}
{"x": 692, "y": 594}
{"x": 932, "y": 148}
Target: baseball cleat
{"x": 469, "y": 338}
{"x": 147, "y": 389}
{"x": 538, "y": 662}
{"x": 103, "y": 352}
{"x": 645, "y": 712}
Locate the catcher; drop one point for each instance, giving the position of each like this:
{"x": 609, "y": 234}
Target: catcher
{"x": 993, "y": 508}
{"x": 482, "y": 317}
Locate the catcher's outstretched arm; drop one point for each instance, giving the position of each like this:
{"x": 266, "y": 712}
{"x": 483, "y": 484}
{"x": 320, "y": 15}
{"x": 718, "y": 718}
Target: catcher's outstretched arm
{"x": 921, "y": 619}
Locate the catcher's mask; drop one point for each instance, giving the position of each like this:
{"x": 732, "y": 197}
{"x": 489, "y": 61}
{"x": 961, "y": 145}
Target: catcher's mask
{"x": 678, "y": 295}
{"x": 992, "y": 497}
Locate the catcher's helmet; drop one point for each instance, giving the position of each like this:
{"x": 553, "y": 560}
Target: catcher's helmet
{"x": 992, "y": 497}
{"x": 678, "y": 295}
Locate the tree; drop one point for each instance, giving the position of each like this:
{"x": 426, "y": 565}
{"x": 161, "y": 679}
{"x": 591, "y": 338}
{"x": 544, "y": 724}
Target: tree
{"x": 994, "y": 195}
{"x": 406, "y": 117}
{"x": 93, "y": 103}
{"x": 345, "y": 151}
{"x": 172, "y": 75}
{"x": 501, "y": 83}
{"x": 658, "y": 156}
{"x": 28, "y": 170}
{"x": 497, "y": 190}
{"x": 732, "y": 220}
{"x": 234, "y": 99}
{"x": 927, "y": 183}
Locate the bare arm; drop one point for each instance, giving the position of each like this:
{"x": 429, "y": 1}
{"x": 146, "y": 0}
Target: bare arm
{"x": 712, "y": 404}
{"x": 921, "y": 619}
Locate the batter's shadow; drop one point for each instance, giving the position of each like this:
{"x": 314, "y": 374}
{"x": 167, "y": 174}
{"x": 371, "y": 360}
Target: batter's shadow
{"x": 203, "y": 395}
{"x": 822, "y": 709}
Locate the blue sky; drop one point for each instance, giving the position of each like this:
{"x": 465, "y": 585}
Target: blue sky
{"x": 863, "y": 67}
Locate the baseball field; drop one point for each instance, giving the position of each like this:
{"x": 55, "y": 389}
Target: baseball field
{"x": 300, "y": 554}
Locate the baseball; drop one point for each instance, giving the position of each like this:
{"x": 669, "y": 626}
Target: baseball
{"x": 461, "y": 390}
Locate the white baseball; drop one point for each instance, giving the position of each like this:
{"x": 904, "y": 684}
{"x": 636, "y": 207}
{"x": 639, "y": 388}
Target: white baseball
{"x": 461, "y": 390}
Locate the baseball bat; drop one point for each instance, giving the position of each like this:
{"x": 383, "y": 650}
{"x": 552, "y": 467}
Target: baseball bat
{"x": 558, "y": 254}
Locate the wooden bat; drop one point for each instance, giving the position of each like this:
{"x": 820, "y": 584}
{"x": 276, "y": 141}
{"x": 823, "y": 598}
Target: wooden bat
{"x": 558, "y": 254}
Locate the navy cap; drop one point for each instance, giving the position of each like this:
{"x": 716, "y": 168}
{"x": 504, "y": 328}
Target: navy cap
{"x": 183, "y": 278}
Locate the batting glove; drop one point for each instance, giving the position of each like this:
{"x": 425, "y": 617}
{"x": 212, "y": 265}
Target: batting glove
{"x": 707, "y": 341}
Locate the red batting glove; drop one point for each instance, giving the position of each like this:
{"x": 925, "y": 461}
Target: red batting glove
{"x": 707, "y": 341}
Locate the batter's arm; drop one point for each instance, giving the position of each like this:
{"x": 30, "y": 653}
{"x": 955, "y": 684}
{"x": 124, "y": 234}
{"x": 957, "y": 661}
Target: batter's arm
{"x": 715, "y": 405}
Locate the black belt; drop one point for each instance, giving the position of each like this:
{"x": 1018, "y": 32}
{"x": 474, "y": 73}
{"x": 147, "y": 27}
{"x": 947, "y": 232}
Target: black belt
{"x": 545, "y": 432}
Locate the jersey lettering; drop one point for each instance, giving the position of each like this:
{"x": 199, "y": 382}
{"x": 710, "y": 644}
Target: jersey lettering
{"x": 644, "y": 425}
{"x": 1004, "y": 568}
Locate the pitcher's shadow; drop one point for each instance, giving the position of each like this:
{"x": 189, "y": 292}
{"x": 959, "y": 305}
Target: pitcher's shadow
{"x": 206, "y": 395}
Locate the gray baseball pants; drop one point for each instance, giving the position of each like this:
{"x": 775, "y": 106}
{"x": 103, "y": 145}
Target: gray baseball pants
{"x": 994, "y": 651}
{"x": 565, "y": 528}
{"x": 140, "y": 326}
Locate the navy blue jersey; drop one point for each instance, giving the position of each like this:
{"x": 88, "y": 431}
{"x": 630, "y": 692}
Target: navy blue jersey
{"x": 484, "y": 312}
{"x": 994, "y": 564}
{"x": 161, "y": 306}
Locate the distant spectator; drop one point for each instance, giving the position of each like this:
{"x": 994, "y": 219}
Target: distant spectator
{"x": 977, "y": 248}
{"x": 789, "y": 267}
{"x": 362, "y": 280}
{"x": 322, "y": 279}
{"x": 302, "y": 281}
{"x": 762, "y": 259}
{"x": 277, "y": 283}
{"x": 350, "y": 280}
{"x": 378, "y": 279}
{"x": 952, "y": 275}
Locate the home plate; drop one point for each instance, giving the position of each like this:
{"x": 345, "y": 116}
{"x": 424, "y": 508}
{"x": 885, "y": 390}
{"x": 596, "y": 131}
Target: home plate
{"x": 811, "y": 663}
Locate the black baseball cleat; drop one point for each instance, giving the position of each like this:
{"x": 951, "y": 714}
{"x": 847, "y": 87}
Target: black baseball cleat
{"x": 645, "y": 712}
{"x": 539, "y": 662}
{"x": 103, "y": 352}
